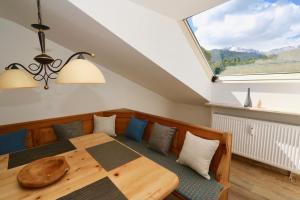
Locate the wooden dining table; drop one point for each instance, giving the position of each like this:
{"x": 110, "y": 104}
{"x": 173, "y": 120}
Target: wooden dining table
{"x": 140, "y": 178}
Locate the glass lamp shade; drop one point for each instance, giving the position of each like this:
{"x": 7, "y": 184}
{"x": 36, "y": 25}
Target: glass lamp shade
{"x": 80, "y": 71}
{"x": 16, "y": 78}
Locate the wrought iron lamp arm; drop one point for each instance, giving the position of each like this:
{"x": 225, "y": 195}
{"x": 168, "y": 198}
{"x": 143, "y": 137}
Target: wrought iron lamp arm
{"x": 14, "y": 66}
{"x": 78, "y": 53}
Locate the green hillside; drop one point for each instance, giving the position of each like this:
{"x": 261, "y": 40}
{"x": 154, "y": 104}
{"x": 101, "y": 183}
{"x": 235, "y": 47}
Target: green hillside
{"x": 226, "y": 62}
{"x": 284, "y": 62}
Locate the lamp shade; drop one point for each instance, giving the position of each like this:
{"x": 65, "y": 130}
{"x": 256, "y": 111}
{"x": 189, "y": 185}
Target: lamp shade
{"x": 16, "y": 78}
{"x": 80, "y": 71}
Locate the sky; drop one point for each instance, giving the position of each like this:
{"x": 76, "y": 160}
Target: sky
{"x": 262, "y": 25}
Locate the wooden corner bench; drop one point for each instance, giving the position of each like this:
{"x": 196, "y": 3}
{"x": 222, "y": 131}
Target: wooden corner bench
{"x": 41, "y": 132}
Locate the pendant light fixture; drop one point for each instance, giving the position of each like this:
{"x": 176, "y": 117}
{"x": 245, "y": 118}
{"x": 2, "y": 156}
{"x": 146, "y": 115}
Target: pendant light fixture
{"x": 75, "y": 70}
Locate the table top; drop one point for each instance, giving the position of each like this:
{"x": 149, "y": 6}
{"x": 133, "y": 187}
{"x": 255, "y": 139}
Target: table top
{"x": 138, "y": 179}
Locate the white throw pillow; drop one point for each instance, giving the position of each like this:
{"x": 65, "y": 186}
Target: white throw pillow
{"x": 197, "y": 153}
{"x": 105, "y": 125}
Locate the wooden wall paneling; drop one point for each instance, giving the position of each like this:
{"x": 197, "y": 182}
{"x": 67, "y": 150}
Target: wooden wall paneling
{"x": 121, "y": 124}
{"x": 44, "y": 136}
{"x": 180, "y": 139}
{"x": 88, "y": 126}
{"x": 29, "y": 139}
{"x": 174, "y": 145}
{"x": 122, "y": 118}
{"x": 148, "y": 130}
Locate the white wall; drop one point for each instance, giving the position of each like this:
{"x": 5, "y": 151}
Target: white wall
{"x": 158, "y": 37}
{"x": 19, "y": 44}
{"x": 195, "y": 114}
{"x": 283, "y": 97}
{"x": 276, "y": 96}
{"x": 179, "y": 10}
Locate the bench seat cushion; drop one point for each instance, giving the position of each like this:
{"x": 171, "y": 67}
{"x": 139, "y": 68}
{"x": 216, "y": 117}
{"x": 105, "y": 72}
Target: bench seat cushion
{"x": 191, "y": 184}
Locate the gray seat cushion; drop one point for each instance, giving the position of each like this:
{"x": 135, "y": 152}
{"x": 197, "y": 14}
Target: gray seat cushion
{"x": 191, "y": 185}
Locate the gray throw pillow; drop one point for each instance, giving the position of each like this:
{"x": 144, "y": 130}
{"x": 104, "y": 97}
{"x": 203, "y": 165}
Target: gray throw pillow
{"x": 70, "y": 130}
{"x": 161, "y": 138}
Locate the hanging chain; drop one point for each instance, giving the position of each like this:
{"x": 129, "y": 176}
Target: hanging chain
{"x": 39, "y": 12}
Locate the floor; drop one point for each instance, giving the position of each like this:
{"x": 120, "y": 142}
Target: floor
{"x": 254, "y": 182}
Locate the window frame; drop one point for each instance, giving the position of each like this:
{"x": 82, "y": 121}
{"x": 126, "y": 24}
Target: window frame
{"x": 198, "y": 48}
{"x": 260, "y": 77}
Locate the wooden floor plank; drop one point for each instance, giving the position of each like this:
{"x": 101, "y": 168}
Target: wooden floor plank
{"x": 252, "y": 182}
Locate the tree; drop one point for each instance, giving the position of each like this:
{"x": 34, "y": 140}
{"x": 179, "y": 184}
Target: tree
{"x": 206, "y": 53}
{"x": 218, "y": 70}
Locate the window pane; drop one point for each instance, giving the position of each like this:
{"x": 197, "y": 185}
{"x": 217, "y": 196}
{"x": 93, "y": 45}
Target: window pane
{"x": 250, "y": 36}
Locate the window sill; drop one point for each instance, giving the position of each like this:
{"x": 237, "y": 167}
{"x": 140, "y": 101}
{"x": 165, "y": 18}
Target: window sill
{"x": 288, "y": 78}
{"x": 255, "y": 109}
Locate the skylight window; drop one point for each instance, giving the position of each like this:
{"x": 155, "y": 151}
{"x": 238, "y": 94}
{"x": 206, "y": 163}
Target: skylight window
{"x": 245, "y": 37}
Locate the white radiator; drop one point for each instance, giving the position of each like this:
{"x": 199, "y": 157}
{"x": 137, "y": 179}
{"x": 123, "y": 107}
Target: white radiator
{"x": 272, "y": 143}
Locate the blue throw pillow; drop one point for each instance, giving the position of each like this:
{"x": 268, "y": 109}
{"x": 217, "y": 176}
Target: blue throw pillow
{"x": 135, "y": 129}
{"x": 13, "y": 141}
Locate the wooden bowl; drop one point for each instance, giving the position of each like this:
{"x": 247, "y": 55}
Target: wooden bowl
{"x": 43, "y": 172}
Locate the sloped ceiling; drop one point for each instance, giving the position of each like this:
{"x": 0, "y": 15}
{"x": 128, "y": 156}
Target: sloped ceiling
{"x": 76, "y": 31}
{"x": 179, "y": 9}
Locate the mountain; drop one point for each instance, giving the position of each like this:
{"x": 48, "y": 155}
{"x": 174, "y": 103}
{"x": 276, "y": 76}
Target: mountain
{"x": 218, "y": 55}
{"x": 239, "y": 49}
{"x": 236, "y": 60}
{"x": 280, "y": 50}
{"x": 289, "y": 56}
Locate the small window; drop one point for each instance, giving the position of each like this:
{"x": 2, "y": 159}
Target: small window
{"x": 250, "y": 37}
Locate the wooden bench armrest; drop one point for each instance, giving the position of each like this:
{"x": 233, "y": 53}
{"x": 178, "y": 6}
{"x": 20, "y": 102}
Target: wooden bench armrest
{"x": 223, "y": 170}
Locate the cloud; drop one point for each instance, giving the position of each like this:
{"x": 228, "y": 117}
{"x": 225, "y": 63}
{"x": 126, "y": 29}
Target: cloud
{"x": 256, "y": 24}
